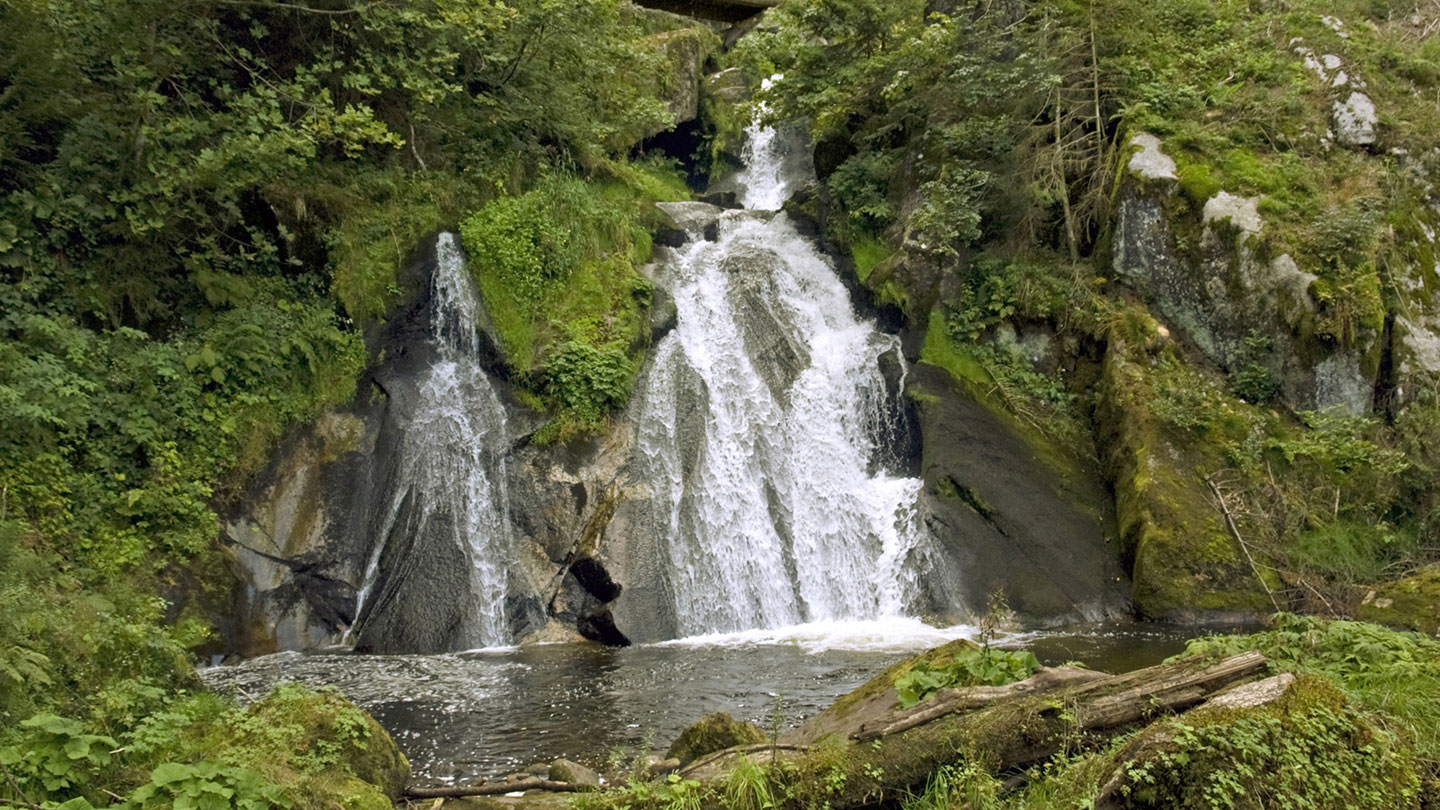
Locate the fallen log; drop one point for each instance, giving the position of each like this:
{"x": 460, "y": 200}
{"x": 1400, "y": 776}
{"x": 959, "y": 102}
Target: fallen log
{"x": 712, "y": 765}
{"x": 1004, "y": 729}
{"x": 951, "y": 701}
{"x": 493, "y": 789}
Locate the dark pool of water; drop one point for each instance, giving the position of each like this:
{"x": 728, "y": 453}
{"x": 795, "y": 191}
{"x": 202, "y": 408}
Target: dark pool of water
{"x": 489, "y": 713}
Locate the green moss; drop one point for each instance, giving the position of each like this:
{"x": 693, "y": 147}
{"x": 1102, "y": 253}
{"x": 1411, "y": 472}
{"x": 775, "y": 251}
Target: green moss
{"x": 1182, "y": 559}
{"x": 558, "y": 269}
{"x": 379, "y": 217}
{"x": 714, "y": 732}
{"x": 868, "y": 251}
{"x": 1412, "y": 602}
{"x": 1309, "y": 748}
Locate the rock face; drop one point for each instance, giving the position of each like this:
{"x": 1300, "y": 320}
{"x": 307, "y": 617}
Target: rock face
{"x": 680, "y": 86}
{"x": 299, "y": 560}
{"x": 1237, "y": 308}
{"x": 1011, "y": 522}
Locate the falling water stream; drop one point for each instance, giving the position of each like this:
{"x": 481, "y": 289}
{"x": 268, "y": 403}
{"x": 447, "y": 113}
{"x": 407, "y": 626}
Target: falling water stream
{"x": 446, "y": 493}
{"x": 760, "y": 424}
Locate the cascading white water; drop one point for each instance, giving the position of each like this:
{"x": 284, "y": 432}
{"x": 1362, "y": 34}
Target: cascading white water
{"x": 757, "y": 425}
{"x": 449, "y": 483}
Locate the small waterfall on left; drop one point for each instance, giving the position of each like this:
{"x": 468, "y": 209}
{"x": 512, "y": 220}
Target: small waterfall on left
{"x": 439, "y": 571}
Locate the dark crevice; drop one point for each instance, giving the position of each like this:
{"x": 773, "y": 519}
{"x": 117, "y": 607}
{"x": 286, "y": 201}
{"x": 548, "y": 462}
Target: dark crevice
{"x": 1386, "y": 383}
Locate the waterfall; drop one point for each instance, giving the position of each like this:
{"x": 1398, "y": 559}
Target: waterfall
{"x": 758, "y": 426}
{"x": 438, "y": 575}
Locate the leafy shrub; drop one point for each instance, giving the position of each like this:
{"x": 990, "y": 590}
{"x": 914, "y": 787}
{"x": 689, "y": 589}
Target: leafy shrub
{"x": 56, "y": 756}
{"x": 972, "y": 667}
{"x": 206, "y": 786}
{"x": 1250, "y": 377}
{"x": 588, "y": 380}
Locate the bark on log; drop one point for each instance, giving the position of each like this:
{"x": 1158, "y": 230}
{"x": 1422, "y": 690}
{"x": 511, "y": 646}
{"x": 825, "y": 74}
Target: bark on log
{"x": 713, "y": 765}
{"x": 951, "y": 701}
{"x": 492, "y": 789}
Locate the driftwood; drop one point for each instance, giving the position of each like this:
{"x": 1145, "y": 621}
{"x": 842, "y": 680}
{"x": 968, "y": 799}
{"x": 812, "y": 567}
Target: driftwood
{"x": 950, "y": 701}
{"x": 493, "y": 789}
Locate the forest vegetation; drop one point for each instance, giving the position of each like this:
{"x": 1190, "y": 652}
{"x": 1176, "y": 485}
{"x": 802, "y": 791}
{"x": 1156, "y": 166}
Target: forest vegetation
{"x": 204, "y": 208}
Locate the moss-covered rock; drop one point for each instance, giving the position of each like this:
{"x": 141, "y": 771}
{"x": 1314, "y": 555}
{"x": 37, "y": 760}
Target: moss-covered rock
{"x": 1184, "y": 563}
{"x": 320, "y": 744}
{"x": 1412, "y": 603}
{"x": 714, "y": 732}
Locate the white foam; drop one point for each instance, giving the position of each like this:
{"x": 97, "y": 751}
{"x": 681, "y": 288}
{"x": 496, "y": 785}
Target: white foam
{"x": 887, "y": 635}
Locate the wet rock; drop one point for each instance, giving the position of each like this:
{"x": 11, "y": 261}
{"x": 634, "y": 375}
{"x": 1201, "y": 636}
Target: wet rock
{"x": 729, "y": 85}
{"x": 721, "y": 199}
{"x": 671, "y": 237}
{"x": 776, "y": 355}
{"x": 664, "y": 316}
{"x": 691, "y": 217}
{"x": 564, "y": 770}
{"x": 596, "y": 581}
{"x": 681, "y": 87}
{"x": 1354, "y": 120}
{"x": 1220, "y": 294}
{"x": 600, "y": 626}
{"x": 714, "y": 732}
{"x": 991, "y": 502}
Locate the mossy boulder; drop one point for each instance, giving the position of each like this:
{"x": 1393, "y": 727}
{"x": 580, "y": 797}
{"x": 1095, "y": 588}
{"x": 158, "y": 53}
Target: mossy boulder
{"x": 714, "y": 732}
{"x": 1412, "y": 603}
{"x": 319, "y": 743}
{"x": 1184, "y": 563}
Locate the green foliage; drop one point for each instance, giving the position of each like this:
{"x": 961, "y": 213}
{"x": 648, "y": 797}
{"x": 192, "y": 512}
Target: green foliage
{"x": 587, "y": 380}
{"x": 55, "y": 755}
{"x": 1394, "y": 674}
{"x": 747, "y": 787}
{"x": 206, "y": 786}
{"x": 558, "y": 268}
{"x": 673, "y": 792}
{"x": 1250, "y": 377}
{"x": 1312, "y": 756}
{"x": 197, "y": 211}
{"x": 295, "y": 748}
{"x": 973, "y": 667}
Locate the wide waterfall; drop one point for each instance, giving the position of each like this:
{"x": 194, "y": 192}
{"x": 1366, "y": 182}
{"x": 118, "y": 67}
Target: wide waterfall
{"x": 438, "y": 575}
{"x": 760, "y": 424}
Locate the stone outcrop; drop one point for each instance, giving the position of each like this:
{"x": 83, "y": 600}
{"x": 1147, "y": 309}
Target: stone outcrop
{"x": 1213, "y": 284}
{"x": 1010, "y": 521}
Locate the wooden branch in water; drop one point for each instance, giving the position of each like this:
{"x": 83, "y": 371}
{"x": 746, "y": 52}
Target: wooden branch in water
{"x": 493, "y": 789}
